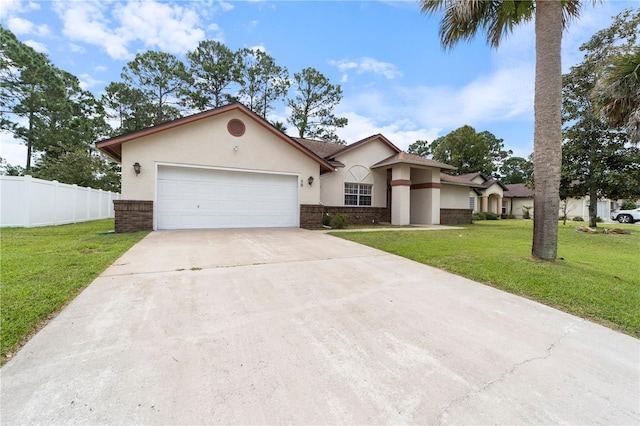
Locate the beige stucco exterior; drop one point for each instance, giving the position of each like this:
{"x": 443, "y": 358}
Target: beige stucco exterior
{"x": 357, "y": 163}
{"x": 454, "y": 197}
{"x": 208, "y": 143}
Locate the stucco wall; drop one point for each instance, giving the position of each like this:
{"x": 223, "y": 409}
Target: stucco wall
{"x": 518, "y": 203}
{"x": 332, "y": 184}
{"x": 454, "y": 197}
{"x": 208, "y": 143}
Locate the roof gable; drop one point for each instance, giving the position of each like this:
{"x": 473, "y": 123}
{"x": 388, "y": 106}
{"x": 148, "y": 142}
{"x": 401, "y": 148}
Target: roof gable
{"x": 403, "y": 157}
{"x": 365, "y": 141}
{"x": 113, "y": 146}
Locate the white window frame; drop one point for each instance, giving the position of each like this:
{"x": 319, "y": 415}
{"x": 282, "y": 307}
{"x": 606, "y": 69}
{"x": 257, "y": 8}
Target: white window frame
{"x": 360, "y": 193}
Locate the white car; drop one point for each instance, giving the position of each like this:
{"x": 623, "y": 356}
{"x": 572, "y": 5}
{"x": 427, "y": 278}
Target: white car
{"x": 626, "y": 216}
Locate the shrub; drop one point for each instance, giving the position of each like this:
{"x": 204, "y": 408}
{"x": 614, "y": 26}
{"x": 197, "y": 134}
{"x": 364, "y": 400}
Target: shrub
{"x": 479, "y": 216}
{"x": 563, "y": 218}
{"x": 491, "y": 216}
{"x": 338, "y": 221}
{"x": 628, "y": 205}
{"x": 578, "y": 219}
{"x": 599, "y": 219}
{"x": 511, "y": 216}
{"x": 526, "y": 212}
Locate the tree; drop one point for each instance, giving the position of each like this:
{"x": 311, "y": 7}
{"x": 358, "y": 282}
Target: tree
{"x": 469, "y": 151}
{"x": 129, "y": 107}
{"x": 24, "y": 74}
{"x": 43, "y": 105}
{"x": 7, "y": 169}
{"x": 312, "y": 108}
{"x": 262, "y": 82}
{"x": 161, "y": 78}
{"x": 420, "y": 147}
{"x": 462, "y": 20}
{"x": 214, "y": 68}
{"x": 619, "y": 94}
{"x": 597, "y": 160}
{"x": 516, "y": 170}
{"x": 82, "y": 167}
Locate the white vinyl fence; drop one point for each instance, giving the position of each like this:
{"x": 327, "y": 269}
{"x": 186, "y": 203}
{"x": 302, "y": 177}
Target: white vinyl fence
{"x": 29, "y": 202}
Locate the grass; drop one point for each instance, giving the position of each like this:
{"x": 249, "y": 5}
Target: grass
{"x": 43, "y": 269}
{"x": 598, "y": 276}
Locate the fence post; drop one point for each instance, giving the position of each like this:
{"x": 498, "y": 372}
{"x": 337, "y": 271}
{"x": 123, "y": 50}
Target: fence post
{"x": 27, "y": 197}
{"x": 54, "y": 208}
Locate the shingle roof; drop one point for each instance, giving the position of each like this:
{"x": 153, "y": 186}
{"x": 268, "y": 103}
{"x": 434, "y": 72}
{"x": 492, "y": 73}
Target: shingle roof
{"x": 320, "y": 148}
{"x": 403, "y": 157}
{"x": 458, "y": 180}
{"x": 113, "y": 146}
{"x": 518, "y": 190}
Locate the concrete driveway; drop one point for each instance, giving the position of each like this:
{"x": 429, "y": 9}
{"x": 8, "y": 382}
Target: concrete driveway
{"x": 299, "y": 327}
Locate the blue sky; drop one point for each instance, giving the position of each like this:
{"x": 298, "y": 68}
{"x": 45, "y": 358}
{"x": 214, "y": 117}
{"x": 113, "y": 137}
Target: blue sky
{"x": 386, "y": 55}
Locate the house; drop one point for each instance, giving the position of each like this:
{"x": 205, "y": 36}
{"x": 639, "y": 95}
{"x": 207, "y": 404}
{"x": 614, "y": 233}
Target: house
{"x": 487, "y": 195}
{"x": 229, "y": 168}
{"x": 518, "y": 200}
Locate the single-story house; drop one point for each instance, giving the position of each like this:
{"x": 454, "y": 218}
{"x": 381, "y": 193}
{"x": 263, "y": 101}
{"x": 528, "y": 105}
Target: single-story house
{"x": 487, "y": 195}
{"x": 230, "y": 168}
{"x": 518, "y": 199}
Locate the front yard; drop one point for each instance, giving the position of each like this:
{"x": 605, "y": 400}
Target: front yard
{"x": 598, "y": 276}
{"x": 43, "y": 269}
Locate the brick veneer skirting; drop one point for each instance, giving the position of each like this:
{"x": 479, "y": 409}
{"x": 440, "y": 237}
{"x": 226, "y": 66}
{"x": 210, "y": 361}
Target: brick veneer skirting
{"x": 133, "y": 215}
{"x": 455, "y": 216}
{"x": 311, "y": 214}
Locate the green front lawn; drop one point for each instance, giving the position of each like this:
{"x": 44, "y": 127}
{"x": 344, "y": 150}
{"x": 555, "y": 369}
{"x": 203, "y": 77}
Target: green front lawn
{"x": 598, "y": 277}
{"x": 43, "y": 269}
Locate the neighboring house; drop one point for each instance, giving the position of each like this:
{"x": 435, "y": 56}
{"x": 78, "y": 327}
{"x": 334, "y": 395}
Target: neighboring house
{"x": 518, "y": 199}
{"x": 518, "y": 196}
{"x": 229, "y": 168}
{"x": 487, "y": 195}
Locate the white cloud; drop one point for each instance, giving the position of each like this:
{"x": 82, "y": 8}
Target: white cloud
{"x": 19, "y": 26}
{"x": 36, "y": 45}
{"x": 11, "y": 7}
{"x": 86, "y": 22}
{"x": 225, "y": 6}
{"x": 116, "y": 26}
{"x": 76, "y": 48}
{"x": 87, "y": 81}
{"x": 100, "y": 68}
{"x": 368, "y": 65}
{"x": 170, "y": 28}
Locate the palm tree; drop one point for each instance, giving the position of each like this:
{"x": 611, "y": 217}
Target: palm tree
{"x": 462, "y": 20}
{"x": 618, "y": 94}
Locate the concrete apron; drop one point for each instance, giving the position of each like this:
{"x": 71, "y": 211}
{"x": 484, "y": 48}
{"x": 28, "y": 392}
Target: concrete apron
{"x": 299, "y": 327}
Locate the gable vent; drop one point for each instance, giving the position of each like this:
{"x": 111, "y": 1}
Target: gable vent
{"x": 236, "y": 127}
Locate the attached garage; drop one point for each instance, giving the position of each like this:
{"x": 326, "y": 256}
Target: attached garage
{"x": 222, "y": 168}
{"x": 198, "y": 198}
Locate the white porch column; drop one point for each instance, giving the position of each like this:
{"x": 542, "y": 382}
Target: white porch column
{"x": 400, "y": 194}
{"x": 484, "y": 204}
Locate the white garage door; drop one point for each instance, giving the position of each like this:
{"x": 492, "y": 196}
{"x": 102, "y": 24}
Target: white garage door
{"x": 192, "y": 198}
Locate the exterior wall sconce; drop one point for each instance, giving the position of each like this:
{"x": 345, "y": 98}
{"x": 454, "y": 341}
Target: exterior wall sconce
{"x": 310, "y": 180}
{"x": 136, "y": 168}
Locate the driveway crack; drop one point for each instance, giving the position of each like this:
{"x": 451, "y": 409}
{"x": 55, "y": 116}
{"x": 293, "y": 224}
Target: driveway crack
{"x": 258, "y": 263}
{"x": 441, "y": 418}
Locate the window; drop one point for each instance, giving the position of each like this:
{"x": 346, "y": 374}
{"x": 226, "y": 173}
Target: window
{"x": 504, "y": 206}
{"x": 357, "y": 194}
{"x": 472, "y": 203}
